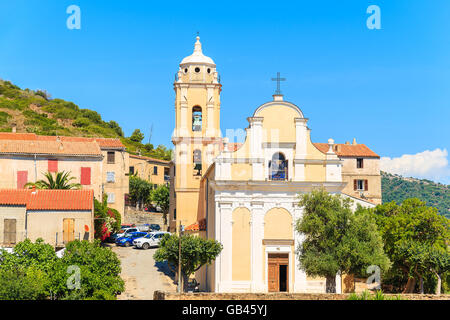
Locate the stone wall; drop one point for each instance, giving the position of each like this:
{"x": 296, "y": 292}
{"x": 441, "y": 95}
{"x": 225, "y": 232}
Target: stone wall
{"x": 132, "y": 216}
{"x": 161, "y": 295}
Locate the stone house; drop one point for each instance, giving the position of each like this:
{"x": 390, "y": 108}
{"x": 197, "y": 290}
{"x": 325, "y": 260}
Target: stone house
{"x": 56, "y": 216}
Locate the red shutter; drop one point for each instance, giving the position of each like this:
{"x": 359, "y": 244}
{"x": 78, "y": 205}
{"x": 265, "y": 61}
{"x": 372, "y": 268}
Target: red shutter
{"x": 355, "y": 185}
{"x": 366, "y": 185}
{"x": 85, "y": 176}
{"x": 52, "y": 165}
{"x": 22, "y": 179}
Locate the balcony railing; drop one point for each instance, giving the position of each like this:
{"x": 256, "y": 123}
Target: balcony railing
{"x": 62, "y": 238}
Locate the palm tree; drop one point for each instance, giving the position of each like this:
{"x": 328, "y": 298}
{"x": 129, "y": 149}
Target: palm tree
{"x": 61, "y": 181}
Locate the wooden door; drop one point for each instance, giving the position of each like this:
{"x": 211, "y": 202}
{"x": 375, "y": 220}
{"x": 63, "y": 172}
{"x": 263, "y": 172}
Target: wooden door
{"x": 9, "y": 231}
{"x": 278, "y": 266}
{"x": 68, "y": 230}
{"x": 273, "y": 277}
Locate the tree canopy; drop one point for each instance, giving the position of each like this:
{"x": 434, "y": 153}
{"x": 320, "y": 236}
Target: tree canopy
{"x": 161, "y": 197}
{"x": 60, "y": 181}
{"x": 195, "y": 252}
{"x": 416, "y": 238}
{"x": 336, "y": 240}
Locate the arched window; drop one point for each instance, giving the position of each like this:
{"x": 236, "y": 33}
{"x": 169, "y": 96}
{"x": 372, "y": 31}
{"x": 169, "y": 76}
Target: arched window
{"x": 197, "y": 162}
{"x": 278, "y": 167}
{"x": 197, "y": 118}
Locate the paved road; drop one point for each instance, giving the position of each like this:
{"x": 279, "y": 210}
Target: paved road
{"x": 142, "y": 275}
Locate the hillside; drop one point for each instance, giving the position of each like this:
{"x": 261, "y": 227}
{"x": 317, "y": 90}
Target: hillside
{"x": 397, "y": 188}
{"x": 35, "y": 111}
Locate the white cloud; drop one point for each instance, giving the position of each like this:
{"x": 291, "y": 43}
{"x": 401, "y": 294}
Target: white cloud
{"x": 432, "y": 165}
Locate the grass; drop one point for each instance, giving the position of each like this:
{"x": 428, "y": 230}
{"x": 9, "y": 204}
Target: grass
{"x": 378, "y": 295}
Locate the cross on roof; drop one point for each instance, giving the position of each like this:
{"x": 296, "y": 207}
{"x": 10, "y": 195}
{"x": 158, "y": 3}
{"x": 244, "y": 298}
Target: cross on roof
{"x": 278, "y": 79}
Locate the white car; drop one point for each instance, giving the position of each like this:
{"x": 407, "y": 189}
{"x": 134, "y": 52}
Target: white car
{"x": 150, "y": 240}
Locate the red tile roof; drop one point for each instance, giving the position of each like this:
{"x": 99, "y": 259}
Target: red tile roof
{"x": 102, "y": 142}
{"x": 198, "y": 226}
{"x": 64, "y": 200}
{"x": 50, "y": 147}
{"x": 231, "y": 146}
{"x": 348, "y": 150}
{"x": 148, "y": 158}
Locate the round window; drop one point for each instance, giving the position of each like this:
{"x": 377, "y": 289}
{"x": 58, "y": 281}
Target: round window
{"x": 209, "y": 70}
{"x": 197, "y": 69}
{"x": 185, "y": 70}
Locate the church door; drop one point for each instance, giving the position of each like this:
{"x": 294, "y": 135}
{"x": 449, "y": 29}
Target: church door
{"x": 278, "y": 266}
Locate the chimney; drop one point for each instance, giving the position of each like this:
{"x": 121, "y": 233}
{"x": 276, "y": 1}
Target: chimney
{"x": 347, "y": 143}
{"x": 33, "y": 190}
{"x": 14, "y": 128}
{"x": 354, "y": 142}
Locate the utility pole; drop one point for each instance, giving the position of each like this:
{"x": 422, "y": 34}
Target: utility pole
{"x": 179, "y": 257}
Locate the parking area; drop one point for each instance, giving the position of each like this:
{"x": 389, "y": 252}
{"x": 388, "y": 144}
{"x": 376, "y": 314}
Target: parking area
{"x": 142, "y": 275}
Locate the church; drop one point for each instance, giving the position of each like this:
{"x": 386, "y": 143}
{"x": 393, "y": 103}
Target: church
{"x": 246, "y": 195}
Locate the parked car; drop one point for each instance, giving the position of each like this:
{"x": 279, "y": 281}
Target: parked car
{"x": 112, "y": 238}
{"x": 155, "y": 227}
{"x": 152, "y": 239}
{"x": 127, "y": 240}
{"x": 144, "y": 227}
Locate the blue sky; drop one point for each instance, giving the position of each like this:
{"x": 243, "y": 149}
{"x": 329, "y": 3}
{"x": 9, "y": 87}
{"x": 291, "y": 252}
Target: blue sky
{"x": 389, "y": 88}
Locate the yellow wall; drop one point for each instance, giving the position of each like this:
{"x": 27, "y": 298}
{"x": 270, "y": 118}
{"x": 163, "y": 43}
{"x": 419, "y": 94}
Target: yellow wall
{"x": 241, "y": 258}
{"x": 144, "y": 169}
{"x": 45, "y": 225}
{"x": 278, "y": 224}
{"x": 241, "y": 171}
{"x": 278, "y": 123}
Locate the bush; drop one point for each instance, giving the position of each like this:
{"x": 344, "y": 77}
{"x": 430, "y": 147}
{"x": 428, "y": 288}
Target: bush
{"x": 81, "y": 122}
{"x": 33, "y": 272}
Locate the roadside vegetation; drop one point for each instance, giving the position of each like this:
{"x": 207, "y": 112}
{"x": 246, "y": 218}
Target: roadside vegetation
{"x": 34, "y": 272}
{"x": 378, "y": 295}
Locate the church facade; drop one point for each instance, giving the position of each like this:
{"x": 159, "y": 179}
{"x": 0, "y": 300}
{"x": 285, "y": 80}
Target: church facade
{"x": 246, "y": 196}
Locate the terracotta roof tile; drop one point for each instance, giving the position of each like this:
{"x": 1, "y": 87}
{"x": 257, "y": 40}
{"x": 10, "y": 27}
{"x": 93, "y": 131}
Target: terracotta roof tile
{"x": 198, "y": 226}
{"x": 49, "y": 147}
{"x": 148, "y": 158}
{"x": 231, "y": 146}
{"x": 48, "y": 199}
{"x": 348, "y": 150}
{"x": 103, "y": 142}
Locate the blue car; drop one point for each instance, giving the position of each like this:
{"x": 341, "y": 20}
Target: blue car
{"x": 127, "y": 240}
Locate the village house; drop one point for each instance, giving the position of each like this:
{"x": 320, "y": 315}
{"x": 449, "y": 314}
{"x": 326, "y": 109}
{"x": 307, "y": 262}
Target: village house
{"x": 246, "y": 196}
{"x": 98, "y": 164}
{"x": 155, "y": 171}
{"x": 56, "y": 216}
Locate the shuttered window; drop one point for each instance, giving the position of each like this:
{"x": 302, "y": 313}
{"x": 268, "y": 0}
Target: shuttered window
{"x": 110, "y": 177}
{"x": 52, "y": 165}
{"x": 85, "y": 176}
{"x": 359, "y": 163}
{"x": 111, "y": 197}
{"x": 22, "y": 179}
{"x": 111, "y": 157}
{"x": 360, "y": 185}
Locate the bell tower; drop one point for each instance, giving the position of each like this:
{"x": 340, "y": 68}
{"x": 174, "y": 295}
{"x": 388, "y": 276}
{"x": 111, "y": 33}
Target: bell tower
{"x": 197, "y": 137}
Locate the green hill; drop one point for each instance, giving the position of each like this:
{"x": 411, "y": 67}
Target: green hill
{"x": 397, "y": 188}
{"x": 35, "y": 112}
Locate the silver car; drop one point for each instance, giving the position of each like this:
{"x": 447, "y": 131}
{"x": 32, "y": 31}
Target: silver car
{"x": 150, "y": 240}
